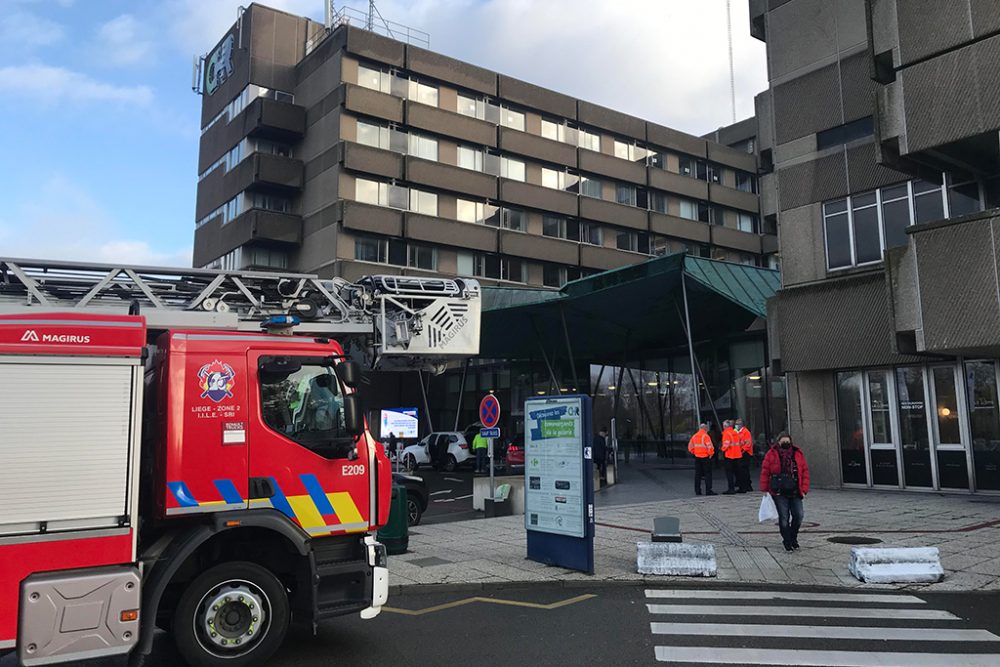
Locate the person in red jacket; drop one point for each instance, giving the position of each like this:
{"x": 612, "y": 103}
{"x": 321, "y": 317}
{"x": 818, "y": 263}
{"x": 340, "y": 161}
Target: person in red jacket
{"x": 785, "y": 475}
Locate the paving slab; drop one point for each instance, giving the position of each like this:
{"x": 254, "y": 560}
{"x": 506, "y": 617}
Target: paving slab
{"x": 964, "y": 527}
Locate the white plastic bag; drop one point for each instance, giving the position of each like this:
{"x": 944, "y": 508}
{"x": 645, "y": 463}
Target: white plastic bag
{"x": 767, "y": 512}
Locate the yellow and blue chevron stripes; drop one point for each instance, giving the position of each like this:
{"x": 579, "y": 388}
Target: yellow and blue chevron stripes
{"x": 318, "y": 512}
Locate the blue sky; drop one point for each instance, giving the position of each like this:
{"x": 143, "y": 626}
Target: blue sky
{"x": 100, "y": 127}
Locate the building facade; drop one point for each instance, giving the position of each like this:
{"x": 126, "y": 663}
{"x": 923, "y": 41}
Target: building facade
{"x": 878, "y": 137}
{"x": 342, "y": 152}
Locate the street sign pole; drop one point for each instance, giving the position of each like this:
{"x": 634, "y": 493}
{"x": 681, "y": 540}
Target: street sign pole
{"x": 489, "y": 415}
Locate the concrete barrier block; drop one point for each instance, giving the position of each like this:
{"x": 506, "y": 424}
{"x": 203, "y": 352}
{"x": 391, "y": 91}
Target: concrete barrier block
{"x": 896, "y": 565}
{"x": 676, "y": 559}
{"x": 481, "y": 491}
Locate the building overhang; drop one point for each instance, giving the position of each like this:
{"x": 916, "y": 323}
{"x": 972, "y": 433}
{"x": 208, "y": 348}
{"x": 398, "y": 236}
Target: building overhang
{"x": 629, "y": 313}
{"x": 944, "y": 288}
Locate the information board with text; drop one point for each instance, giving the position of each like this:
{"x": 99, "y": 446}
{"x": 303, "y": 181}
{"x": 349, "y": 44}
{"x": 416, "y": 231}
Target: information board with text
{"x": 553, "y": 466}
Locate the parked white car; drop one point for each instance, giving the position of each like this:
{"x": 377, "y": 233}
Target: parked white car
{"x": 419, "y": 454}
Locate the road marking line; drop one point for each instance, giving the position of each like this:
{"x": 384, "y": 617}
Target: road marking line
{"x": 825, "y": 632}
{"x": 511, "y": 603}
{"x": 780, "y": 595}
{"x": 453, "y": 479}
{"x": 770, "y": 656}
{"x": 438, "y": 493}
{"x": 822, "y": 612}
{"x": 444, "y": 500}
{"x": 463, "y": 497}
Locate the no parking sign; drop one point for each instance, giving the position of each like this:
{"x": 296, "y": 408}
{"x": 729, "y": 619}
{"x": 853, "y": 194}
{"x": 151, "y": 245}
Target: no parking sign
{"x": 489, "y": 411}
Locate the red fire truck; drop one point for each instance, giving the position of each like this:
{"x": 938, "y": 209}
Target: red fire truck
{"x": 199, "y": 462}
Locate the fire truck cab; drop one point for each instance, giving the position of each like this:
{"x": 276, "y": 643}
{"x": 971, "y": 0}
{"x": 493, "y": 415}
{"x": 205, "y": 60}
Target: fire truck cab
{"x": 216, "y": 484}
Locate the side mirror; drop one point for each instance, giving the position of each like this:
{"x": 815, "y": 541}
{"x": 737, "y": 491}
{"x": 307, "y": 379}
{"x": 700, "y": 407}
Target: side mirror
{"x": 354, "y": 420}
{"x": 349, "y": 373}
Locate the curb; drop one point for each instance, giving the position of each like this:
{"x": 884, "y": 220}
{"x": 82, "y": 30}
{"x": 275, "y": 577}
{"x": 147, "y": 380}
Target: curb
{"x": 697, "y": 583}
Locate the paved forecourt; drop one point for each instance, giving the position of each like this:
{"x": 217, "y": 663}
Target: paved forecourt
{"x": 966, "y": 530}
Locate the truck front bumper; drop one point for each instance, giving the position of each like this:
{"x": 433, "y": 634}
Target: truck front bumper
{"x": 378, "y": 561}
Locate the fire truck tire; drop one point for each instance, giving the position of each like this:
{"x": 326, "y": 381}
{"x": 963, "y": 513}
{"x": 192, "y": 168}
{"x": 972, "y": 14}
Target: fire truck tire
{"x": 234, "y": 614}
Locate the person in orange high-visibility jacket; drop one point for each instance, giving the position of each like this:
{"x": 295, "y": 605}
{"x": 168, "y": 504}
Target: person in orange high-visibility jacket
{"x": 732, "y": 453}
{"x": 746, "y": 445}
{"x": 700, "y": 445}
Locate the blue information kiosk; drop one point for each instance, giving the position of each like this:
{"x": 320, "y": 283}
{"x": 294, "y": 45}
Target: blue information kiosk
{"x": 559, "y": 481}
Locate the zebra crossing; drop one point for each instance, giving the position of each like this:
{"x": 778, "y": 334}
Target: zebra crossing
{"x": 773, "y": 627}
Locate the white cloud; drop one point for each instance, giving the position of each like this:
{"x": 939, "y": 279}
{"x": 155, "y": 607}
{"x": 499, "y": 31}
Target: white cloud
{"x": 194, "y": 26}
{"x": 21, "y": 30}
{"x": 62, "y": 220}
{"x": 123, "y": 41}
{"x": 664, "y": 60}
{"x": 48, "y": 84}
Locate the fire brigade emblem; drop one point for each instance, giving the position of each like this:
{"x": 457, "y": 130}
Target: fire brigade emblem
{"x": 216, "y": 380}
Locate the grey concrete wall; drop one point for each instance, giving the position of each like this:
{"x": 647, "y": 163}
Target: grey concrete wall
{"x": 812, "y": 422}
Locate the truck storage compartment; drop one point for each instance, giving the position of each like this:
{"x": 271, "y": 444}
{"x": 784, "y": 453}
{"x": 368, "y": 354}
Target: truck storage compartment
{"x": 65, "y": 431}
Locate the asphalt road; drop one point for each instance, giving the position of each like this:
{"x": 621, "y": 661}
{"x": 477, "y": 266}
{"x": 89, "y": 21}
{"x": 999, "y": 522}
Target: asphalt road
{"x": 679, "y": 622}
{"x": 450, "y": 495}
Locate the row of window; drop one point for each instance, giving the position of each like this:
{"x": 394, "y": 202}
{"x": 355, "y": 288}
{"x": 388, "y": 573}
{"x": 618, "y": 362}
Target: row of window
{"x": 483, "y": 108}
{"x": 391, "y": 139}
{"x": 395, "y": 196}
{"x": 243, "y": 99}
{"x": 490, "y": 162}
{"x": 399, "y": 252}
{"x": 246, "y": 147}
{"x": 410, "y": 199}
{"x": 400, "y": 85}
{"x": 245, "y": 201}
{"x": 245, "y": 257}
{"x": 859, "y": 228}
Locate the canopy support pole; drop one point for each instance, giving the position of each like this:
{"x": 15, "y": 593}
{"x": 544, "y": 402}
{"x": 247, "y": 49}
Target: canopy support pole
{"x": 641, "y": 398}
{"x": 597, "y": 385}
{"x": 767, "y": 393}
{"x": 423, "y": 392}
{"x": 695, "y": 366}
{"x": 461, "y": 393}
{"x": 545, "y": 357}
{"x": 569, "y": 348}
{"x": 670, "y": 404}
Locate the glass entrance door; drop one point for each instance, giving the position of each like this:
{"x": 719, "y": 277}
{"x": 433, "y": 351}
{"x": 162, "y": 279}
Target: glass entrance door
{"x": 913, "y": 433}
{"x": 984, "y": 423}
{"x": 884, "y": 459}
{"x": 952, "y": 462}
{"x": 851, "y": 428}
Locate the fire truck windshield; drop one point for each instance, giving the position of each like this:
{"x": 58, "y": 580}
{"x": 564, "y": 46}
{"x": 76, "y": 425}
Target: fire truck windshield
{"x": 306, "y": 405}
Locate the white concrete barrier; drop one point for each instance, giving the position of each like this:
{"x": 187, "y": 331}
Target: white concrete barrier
{"x": 481, "y": 491}
{"x": 896, "y": 565}
{"x": 676, "y": 559}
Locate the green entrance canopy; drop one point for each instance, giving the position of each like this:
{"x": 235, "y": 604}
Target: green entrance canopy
{"x": 628, "y": 313}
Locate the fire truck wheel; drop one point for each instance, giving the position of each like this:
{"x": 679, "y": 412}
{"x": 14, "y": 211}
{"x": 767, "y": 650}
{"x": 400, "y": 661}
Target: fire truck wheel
{"x": 233, "y": 614}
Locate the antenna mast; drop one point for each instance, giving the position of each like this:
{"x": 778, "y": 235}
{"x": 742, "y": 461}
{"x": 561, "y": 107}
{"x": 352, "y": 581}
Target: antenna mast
{"x": 732, "y": 77}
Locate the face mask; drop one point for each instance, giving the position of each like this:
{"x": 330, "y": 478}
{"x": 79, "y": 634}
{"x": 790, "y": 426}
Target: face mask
{"x": 784, "y": 444}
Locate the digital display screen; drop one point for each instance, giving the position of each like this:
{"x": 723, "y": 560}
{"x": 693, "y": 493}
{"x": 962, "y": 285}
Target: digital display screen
{"x": 403, "y": 422}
